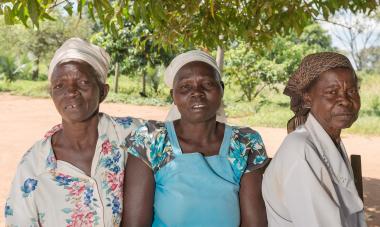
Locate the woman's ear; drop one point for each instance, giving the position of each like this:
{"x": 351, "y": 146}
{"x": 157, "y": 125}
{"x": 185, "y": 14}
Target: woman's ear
{"x": 306, "y": 100}
{"x": 50, "y": 91}
{"x": 171, "y": 94}
{"x": 222, "y": 84}
{"x": 104, "y": 89}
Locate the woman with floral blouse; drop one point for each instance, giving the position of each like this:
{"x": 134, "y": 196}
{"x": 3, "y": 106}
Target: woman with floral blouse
{"x": 74, "y": 175}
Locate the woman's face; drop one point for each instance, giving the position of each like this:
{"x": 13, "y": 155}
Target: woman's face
{"x": 75, "y": 91}
{"x": 197, "y": 92}
{"x": 334, "y": 99}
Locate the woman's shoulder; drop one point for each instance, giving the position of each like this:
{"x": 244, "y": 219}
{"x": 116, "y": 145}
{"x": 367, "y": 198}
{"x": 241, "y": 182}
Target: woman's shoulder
{"x": 243, "y": 129}
{"x": 296, "y": 139}
{"x": 40, "y": 156}
{"x": 247, "y": 151}
{"x": 125, "y": 122}
{"x": 295, "y": 146}
{"x": 245, "y": 134}
{"x": 35, "y": 159}
{"x": 150, "y": 143}
{"x": 151, "y": 128}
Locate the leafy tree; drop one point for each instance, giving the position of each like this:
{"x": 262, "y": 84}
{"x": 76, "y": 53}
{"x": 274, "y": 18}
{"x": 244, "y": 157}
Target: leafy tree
{"x": 206, "y": 23}
{"x": 254, "y": 70}
{"x": 315, "y": 36}
{"x": 249, "y": 70}
{"x": 40, "y": 44}
{"x": 10, "y": 38}
{"x": 135, "y": 51}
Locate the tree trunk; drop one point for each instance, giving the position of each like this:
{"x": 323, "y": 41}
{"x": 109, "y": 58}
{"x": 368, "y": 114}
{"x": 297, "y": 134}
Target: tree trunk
{"x": 36, "y": 69}
{"x": 220, "y": 59}
{"x": 143, "y": 92}
{"x": 116, "y": 79}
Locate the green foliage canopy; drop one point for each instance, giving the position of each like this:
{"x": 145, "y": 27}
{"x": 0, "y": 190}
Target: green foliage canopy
{"x": 133, "y": 46}
{"x": 200, "y": 22}
{"x": 134, "y": 52}
{"x": 253, "y": 70}
{"x": 38, "y": 46}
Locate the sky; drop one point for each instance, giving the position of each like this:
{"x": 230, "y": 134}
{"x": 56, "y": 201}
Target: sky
{"x": 356, "y": 21}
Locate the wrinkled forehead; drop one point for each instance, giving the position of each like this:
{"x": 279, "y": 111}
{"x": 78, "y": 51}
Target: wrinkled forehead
{"x": 196, "y": 67}
{"x": 345, "y": 76}
{"x": 333, "y": 75}
{"x": 74, "y": 66}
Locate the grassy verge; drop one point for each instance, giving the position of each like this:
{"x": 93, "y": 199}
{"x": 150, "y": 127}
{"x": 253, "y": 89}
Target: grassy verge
{"x": 38, "y": 89}
{"x": 271, "y": 109}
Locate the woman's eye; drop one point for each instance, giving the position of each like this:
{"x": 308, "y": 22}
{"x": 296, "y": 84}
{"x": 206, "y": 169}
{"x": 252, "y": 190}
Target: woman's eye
{"x": 57, "y": 86}
{"x": 84, "y": 82}
{"x": 209, "y": 84}
{"x": 353, "y": 91}
{"x": 332, "y": 92}
{"x": 185, "y": 87}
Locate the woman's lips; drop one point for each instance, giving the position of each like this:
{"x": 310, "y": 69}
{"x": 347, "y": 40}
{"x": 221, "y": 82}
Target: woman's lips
{"x": 71, "y": 106}
{"x": 345, "y": 115}
{"x": 198, "y": 106}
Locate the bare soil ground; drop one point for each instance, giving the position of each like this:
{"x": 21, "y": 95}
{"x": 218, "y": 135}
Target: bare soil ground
{"x": 24, "y": 120}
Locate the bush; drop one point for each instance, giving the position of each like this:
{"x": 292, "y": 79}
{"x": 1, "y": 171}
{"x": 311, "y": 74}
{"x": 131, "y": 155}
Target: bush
{"x": 8, "y": 68}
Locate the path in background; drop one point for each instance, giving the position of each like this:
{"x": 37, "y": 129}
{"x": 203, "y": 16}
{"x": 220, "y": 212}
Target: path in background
{"x": 24, "y": 120}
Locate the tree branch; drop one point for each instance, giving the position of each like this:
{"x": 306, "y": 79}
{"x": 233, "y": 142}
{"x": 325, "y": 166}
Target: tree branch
{"x": 259, "y": 90}
{"x": 331, "y": 22}
{"x": 57, "y": 4}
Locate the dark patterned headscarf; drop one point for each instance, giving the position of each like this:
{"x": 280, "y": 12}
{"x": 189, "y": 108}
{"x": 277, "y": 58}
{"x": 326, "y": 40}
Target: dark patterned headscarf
{"x": 311, "y": 67}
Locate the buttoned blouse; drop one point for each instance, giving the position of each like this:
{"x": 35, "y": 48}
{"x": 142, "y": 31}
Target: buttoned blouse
{"x": 50, "y": 192}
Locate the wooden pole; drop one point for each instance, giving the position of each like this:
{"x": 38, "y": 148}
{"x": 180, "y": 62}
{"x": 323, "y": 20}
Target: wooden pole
{"x": 356, "y": 164}
{"x": 220, "y": 58}
{"x": 116, "y": 79}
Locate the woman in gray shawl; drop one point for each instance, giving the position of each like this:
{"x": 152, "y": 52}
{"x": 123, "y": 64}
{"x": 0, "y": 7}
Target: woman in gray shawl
{"x": 309, "y": 181}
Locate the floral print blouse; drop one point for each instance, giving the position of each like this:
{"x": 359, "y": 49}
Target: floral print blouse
{"x": 150, "y": 142}
{"x": 50, "y": 192}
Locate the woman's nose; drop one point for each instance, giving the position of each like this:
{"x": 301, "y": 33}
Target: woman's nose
{"x": 197, "y": 91}
{"x": 344, "y": 98}
{"x": 72, "y": 90}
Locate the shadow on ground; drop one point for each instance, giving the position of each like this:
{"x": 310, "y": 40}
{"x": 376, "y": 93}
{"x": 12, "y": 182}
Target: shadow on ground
{"x": 372, "y": 201}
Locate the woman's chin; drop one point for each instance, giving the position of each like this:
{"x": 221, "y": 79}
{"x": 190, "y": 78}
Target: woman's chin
{"x": 345, "y": 121}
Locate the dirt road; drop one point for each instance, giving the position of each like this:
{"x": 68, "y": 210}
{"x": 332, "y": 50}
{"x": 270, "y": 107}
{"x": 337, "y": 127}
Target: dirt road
{"x": 24, "y": 120}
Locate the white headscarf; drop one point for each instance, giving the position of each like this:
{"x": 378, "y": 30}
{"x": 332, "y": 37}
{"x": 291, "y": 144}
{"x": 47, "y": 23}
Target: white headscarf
{"x": 176, "y": 64}
{"x": 78, "y": 49}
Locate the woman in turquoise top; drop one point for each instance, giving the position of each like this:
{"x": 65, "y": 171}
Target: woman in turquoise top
{"x": 196, "y": 170}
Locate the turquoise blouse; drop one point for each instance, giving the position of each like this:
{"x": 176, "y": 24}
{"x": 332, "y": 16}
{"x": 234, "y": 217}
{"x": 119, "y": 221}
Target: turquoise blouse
{"x": 191, "y": 189}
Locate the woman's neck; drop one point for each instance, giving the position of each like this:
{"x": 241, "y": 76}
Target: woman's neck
{"x": 200, "y": 131}
{"x": 80, "y": 134}
{"x": 334, "y": 135}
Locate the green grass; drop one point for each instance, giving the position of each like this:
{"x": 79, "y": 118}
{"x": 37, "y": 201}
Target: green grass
{"x": 270, "y": 109}
{"x": 128, "y": 91}
{"x": 38, "y": 89}
{"x": 369, "y": 116}
{"x": 265, "y": 112}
